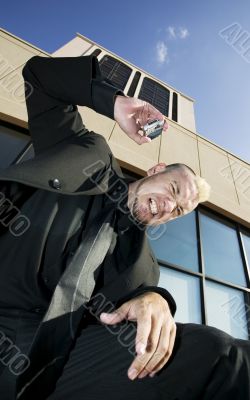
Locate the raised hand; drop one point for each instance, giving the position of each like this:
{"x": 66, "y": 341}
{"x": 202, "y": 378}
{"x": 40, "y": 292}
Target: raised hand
{"x": 132, "y": 113}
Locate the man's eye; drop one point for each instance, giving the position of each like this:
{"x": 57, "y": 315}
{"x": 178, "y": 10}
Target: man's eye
{"x": 173, "y": 189}
{"x": 179, "y": 211}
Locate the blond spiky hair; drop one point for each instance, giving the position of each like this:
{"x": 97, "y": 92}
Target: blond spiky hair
{"x": 204, "y": 189}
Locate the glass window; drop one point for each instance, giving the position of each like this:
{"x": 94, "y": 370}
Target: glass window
{"x": 226, "y": 309}
{"x": 246, "y": 244}
{"x": 12, "y": 143}
{"x": 176, "y": 242}
{"x": 155, "y": 94}
{"x": 175, "y": 107}
{"x": 115, "y": 71}
{"x": 221, "y": 251}
{"x": 186, "y": 292}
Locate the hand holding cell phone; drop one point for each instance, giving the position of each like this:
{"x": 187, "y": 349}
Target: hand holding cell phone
{"x": 141, "y": 121}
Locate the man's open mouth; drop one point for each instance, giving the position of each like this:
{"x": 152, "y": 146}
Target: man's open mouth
{"x": 153, "y": 206}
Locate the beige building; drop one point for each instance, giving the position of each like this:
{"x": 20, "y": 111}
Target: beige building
{"x": 204, "y": 257}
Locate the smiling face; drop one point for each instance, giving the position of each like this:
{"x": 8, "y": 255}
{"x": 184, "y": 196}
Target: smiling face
{"x": 161, "y": 197}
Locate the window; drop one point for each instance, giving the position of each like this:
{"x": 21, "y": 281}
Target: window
{"x": 178, "y": 242}
{"x": 227, "y": 309}
{"x": 246, "y": 244}
{"x": 175, "y": 107}
{"x": 204, "y": 263}
{"x": 115, "y": 71}
{"x": 221, "y": 250}
{"x": 12, "y": 143}
{"x": 155, "y": 94}
{"x": 185, "y": 290}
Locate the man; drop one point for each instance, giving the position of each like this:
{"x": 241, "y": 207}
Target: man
{"x": 85, "y": 242}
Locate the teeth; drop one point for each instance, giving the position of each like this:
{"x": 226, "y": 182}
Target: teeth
{"x": 153, "y": 207}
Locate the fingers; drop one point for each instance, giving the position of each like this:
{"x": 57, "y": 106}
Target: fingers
{"x": 167, "y": 355}
{"x": 165, "y": 126}
{"x": 145, "y": 112}
{"x": 143, "y": 331}
{"x": 156, "y": 331}
{"x": 132, "y": 114}
{"x": 115, "y": 317}
{"x": 139, "y": 139}
{"x": 142, "y": 360}
{"x": 158, "y": 351}
{"x": 163, "y": 351}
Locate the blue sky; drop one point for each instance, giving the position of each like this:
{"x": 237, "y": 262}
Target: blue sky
{"x": 176, "y": 41}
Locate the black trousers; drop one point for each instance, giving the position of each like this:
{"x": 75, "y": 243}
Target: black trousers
{"x": 206, "y": 364}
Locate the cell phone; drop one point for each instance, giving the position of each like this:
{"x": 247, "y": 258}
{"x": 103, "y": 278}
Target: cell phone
{"x": 153, "y": 129}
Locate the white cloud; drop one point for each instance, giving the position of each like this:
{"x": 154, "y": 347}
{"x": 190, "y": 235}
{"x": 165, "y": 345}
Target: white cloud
{"x": 162, "y": 52}
{"x": 171, "y": 31}
{"x": 183, "y": 33}
{"x": 180, "y": 32}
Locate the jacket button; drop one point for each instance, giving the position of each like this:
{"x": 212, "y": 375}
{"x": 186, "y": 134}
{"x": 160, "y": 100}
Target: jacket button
{"x": 55, "y": 183}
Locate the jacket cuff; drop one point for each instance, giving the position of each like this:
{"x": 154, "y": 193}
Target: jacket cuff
{"x": 163, "y": 292}
{"x": 103, "y": 97}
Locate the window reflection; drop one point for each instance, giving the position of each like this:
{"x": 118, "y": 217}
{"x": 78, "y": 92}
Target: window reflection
{"x": 11, "y": 144}
{"x": 221, "y": 251}
{"x": 226, "y": 309}
{"x": 176, "y": 242}
{"x": 246, "y": 243}
{"x": 155, "y": 94}
{"x": 185, "y": 290}
{"x": 115, "y": 71}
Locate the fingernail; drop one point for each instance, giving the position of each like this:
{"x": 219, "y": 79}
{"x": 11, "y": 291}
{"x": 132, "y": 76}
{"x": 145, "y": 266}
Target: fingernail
{"x": 132, "y": 373}
{"x": 106, "y": 315}
{"x": 143, "y": 374}
{"x": 141, "y": 348}
{"x": 152, "y": 374}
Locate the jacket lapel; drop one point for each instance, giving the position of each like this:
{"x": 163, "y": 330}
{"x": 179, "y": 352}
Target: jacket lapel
{"x": 72, "y": 164}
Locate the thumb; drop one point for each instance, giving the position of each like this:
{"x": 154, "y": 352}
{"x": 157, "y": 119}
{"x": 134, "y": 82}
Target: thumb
{"x": 114, "y": 317}
{"x": 139, "y": 139}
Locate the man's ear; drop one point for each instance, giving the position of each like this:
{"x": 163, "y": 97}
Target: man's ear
{"x": 157, "y": 168}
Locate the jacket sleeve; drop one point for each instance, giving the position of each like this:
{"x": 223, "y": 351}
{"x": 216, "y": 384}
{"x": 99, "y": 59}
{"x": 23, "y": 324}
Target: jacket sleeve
{"x": 53, "y": 89}
{"x": 144, "y": 289}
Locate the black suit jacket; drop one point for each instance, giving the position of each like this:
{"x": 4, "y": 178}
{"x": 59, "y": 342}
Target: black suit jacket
{"x": 80, "y": 161}
{"x": 71, "y": 160}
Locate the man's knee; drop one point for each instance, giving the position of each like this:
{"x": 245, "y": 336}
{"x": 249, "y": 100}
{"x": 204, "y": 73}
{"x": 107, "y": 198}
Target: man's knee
{"x": 209, "y": 337}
